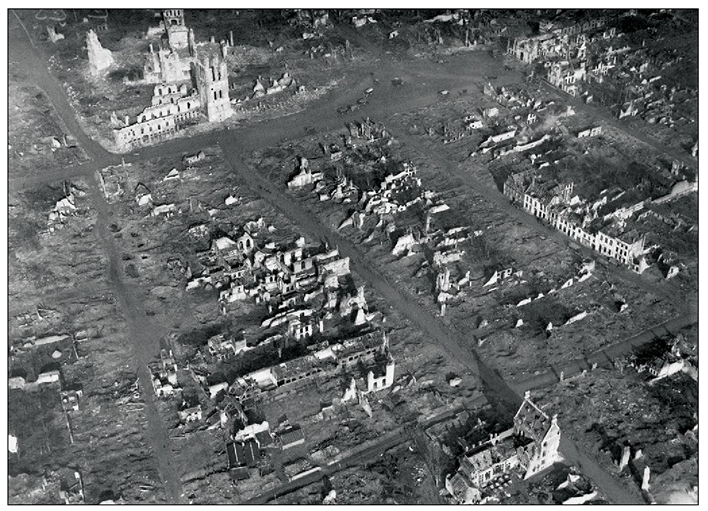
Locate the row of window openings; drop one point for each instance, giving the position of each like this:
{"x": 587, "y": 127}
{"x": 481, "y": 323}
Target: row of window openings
{"x": 159, "y": 128}
{"x": 300, "y": 376}
{"x": 169, "y": 112}
{"x": 148, "y": 136}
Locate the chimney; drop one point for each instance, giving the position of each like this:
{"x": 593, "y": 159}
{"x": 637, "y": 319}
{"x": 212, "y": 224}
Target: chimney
{"x": 645, "y": 479}
{"x": 127, "y": 121}
{"x": 212, "y": 39}
{"x": 152, "y": 50}
{"x": 625, "y": 458}
{"x": 231, "y": 37}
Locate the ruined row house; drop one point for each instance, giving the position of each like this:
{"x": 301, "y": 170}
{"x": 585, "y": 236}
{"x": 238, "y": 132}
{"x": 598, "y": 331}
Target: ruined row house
{"x": 555, "y": 204}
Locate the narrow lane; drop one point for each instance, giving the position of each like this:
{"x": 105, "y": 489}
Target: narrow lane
{"x": 145, "y": 336}
{"x": 237, "y": 142}
{"x": 614, "y": 490}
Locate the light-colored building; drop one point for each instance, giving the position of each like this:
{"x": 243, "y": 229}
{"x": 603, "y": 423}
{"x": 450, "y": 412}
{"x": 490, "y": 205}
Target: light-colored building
{"x": 550, "y": 201}
{"x": 531, "y": 446}
{"x": 212, "y": 78}
{"x": 192, "y": 414}
{"x": 172, "y": 108}
{"x": 177, "y": 32}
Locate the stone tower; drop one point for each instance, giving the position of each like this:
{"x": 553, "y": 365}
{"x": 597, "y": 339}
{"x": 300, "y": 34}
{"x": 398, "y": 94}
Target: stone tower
{"x": 99, "y": 57}
{"x": 177, "y": 32}
{"x": 173, "y": 17}
{"x": 212, "y": 80}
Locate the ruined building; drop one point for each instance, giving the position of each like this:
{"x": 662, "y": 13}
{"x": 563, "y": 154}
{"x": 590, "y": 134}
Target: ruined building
{"x": 552, "y": 203}
{"x": 212, "y": 80}
{"x": 174, "y": 105}
{"x": 53, "y": 35}
{"x": 531, "y": 446}
{"x": 99, "y": 57}
{"x": 172, "y": 108}
{"x": 566, "y": 76}
{"x": 165, "y": 66}
{"x": 369, "y": 352}
{"x": 177, "y": 32}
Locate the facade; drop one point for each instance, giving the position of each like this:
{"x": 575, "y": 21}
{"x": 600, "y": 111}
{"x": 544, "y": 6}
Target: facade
{"x": 462, "y": 490}
{"x": 531, "y": 423}
{"x": 550, "y": 202}
{"x": 565, "y": 76}
{"x": 381, "y": 376}
{"x": 212, "y": 80}
{"x": 221, "y": 348}
{"x": 481, "y": 466}
{"x": 368, "y": 349}
{"x": 173, "y": 106}
{"x": 590, "y": 132}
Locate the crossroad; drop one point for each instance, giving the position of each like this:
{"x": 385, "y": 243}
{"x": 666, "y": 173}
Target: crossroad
{"x": 235, "y": 145}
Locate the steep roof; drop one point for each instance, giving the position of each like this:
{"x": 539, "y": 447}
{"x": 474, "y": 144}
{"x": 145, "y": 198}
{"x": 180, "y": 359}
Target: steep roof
{"x": 240, "y": 455}
{"x": 252, "y": 453}
{"x": 264, "y": 438}
{"x": 291, "y": 436}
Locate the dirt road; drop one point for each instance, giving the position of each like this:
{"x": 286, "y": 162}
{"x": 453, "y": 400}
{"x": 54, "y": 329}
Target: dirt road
{"x": 23, "y": 51}
{"x": 421, "y": 89}
{"x": 461, "y": 349}
{"x": 614, "y": 490}
{"x": 143, "y": 332}
{"x": 145, "y": 335}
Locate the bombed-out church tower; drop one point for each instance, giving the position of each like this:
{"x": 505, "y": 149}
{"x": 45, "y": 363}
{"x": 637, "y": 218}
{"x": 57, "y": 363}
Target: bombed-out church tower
{"x": 177, "y": 32}
{"x": 212, "y": 80}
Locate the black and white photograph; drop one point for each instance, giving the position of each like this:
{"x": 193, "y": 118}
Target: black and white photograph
{"x": 351, "y": 254}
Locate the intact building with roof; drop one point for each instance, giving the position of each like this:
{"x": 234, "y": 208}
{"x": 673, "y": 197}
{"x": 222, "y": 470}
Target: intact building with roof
{"x": 246, "y": 454}
{"x": 291, "y": 437}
